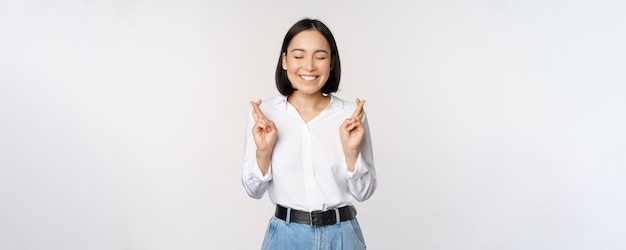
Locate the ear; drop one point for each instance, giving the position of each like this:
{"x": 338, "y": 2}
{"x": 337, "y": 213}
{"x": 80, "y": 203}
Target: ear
{"x": 284, "y": 60}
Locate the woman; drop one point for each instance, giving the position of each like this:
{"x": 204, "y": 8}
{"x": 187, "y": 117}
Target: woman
{"x": 310, "y": 150}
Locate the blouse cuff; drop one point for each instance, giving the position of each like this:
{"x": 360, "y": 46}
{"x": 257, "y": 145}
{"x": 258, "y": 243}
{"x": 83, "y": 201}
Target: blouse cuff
{"x": 256, "y": 172}
{"x": 359, "y": 169}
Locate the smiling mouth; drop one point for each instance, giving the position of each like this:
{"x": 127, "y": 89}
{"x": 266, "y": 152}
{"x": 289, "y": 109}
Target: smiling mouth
{"x": 308, "y": 78}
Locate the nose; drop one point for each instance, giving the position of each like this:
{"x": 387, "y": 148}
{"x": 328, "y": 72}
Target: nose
{"x": 310, "y": 64}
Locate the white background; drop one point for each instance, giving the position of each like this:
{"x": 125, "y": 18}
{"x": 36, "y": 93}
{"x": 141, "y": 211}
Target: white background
{"x": 496, "y": 124}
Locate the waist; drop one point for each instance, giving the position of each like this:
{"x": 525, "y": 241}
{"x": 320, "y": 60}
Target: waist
{"x": 316, "y": 218}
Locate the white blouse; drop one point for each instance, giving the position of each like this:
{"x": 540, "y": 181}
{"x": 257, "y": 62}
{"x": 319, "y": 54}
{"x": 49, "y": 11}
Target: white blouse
{"x": 308, "y": 170}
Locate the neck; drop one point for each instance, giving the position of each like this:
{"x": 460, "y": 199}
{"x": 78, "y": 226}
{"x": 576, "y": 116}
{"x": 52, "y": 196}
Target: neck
{"x": 308, "y": 102}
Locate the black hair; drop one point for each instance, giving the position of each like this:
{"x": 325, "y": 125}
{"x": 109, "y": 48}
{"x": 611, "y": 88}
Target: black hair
{"x": 332, "y": 84}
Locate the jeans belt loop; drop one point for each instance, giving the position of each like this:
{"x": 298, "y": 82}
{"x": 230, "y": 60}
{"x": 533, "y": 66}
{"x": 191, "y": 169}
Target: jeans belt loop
{"x": 288, "y": 217}
{"x": 337, "y": 216}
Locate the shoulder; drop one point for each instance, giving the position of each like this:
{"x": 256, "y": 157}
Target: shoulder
{"x": 273, "y": 106}
{"x": 274, "y": 101}
{"x": 346, "y": 107}
{"x": 276, "y": 98}
{"x": 343, "y": 104}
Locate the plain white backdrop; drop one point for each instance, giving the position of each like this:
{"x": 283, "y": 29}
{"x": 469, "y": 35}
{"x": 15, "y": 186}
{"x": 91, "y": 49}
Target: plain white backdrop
{"x": 496, "y": 124}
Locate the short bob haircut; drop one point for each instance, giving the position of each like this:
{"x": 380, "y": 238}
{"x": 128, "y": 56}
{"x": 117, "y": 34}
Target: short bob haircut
{"x": 332, "y": 84}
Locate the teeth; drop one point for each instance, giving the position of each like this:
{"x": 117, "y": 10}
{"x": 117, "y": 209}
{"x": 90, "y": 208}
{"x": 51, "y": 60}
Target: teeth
{"x": 308, "y": 78}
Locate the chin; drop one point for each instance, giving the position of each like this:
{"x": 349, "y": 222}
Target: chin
{"x": 308, "y": 89}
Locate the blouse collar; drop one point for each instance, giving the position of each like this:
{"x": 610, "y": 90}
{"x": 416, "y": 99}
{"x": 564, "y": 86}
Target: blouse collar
{"x": 334, "y": 101}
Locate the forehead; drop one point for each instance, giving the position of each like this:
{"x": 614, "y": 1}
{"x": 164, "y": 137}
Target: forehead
{"x": 309, "y": 40}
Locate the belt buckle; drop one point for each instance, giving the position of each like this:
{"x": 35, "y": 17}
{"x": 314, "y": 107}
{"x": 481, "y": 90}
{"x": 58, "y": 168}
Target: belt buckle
{"x": 315, "y": 219}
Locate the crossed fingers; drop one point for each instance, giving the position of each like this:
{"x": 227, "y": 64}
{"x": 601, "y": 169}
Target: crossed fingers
{"x": 261, "y": 122}
{"x": 358, "y": 112}
{"x": 355, "y": 120}
{"x": 256, "y": 111}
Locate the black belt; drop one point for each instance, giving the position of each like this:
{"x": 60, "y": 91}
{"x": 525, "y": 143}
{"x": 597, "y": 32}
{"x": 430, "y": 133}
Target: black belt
{"x": 316, "y": 218}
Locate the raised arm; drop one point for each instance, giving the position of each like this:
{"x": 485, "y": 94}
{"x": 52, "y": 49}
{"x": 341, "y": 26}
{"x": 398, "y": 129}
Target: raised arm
{"x": 264, "y": 133}
{"x": 351, "y": 132}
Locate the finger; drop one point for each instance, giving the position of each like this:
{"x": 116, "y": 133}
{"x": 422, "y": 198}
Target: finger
{"x": 358, "y": 112}
{"x": 269, "y": 126}
{"x": 257, "y": 110}
{"x": 258, "y": 126}
{"x": 263, "y": 124}
{"x": 356, "y": 123}
{"x": 348, "y": 124}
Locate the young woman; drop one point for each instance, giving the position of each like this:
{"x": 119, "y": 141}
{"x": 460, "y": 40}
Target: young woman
{"x": 310, "y": 150}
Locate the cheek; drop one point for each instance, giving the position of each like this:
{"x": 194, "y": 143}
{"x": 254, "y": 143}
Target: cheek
{"x": 292, "y": 66}
{"x": 324, "y": 66}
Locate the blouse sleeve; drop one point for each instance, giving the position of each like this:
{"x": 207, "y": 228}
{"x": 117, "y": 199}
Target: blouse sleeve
{"x": 252, "y": 178}
{"x": 362, "y": 182}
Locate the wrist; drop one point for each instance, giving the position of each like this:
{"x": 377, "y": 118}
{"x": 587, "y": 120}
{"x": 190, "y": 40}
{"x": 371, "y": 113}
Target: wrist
{"x": 351, "y": 153}
{"x": 263, "y": 153}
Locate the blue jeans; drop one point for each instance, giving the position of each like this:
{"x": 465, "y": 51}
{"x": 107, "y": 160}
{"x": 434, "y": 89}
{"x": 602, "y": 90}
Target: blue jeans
{"x": 282, "y": 235}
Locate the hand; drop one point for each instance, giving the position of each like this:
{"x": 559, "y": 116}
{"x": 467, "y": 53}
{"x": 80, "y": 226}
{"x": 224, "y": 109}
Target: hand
{"x": 351, "y": 131}
{"x": 264, "y": 130}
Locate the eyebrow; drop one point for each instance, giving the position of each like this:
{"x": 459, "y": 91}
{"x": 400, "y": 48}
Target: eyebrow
{"x": 302, "y": 50}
